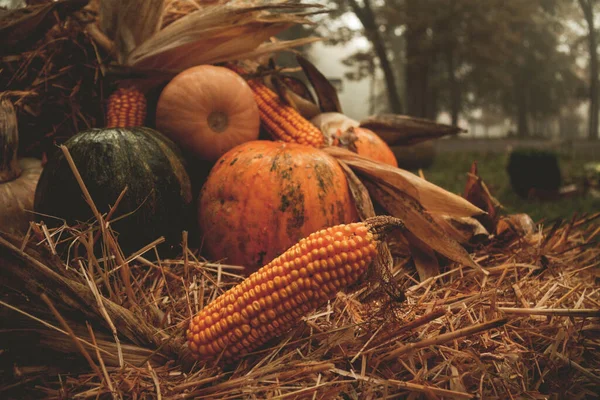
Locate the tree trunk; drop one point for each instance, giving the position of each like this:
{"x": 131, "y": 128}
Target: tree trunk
{"x": 417, "y": 67}
{"x": 522, "y": 112}
{"x": 587, "y": 6}
{"x": 367, "y": 18}
{"x": 454, "y": 87}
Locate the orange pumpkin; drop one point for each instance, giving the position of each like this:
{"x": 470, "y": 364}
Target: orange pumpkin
{"x": 263, "y": 196}
{"x": 208, "y": 110}
{"x": 368, "y": 144}
{"x": 345, "y": 132}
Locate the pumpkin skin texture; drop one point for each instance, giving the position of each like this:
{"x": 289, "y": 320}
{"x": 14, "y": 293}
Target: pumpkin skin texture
{"x": 369, "y": 145}
{"x": 263, "y": 196}
{"x": 158, "y": 194}
{"x": 208, "y": 110}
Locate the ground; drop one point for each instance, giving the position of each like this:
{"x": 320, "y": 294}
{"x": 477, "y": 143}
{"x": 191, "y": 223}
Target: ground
{"x": 451, "y": 166}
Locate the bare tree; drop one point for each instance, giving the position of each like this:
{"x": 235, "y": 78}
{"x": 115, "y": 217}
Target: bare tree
{"x": 587, "y": 6}
{"x": 367, "y": 18}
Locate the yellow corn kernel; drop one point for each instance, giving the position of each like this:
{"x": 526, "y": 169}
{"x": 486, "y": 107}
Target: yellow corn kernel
{"x": 280, "y": 296}
{"x": 126, "y": 108}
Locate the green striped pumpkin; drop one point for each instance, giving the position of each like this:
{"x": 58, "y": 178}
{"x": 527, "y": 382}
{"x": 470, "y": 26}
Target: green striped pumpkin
{"x": 150, "y": 165}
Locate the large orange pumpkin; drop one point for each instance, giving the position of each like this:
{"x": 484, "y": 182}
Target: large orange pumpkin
{"x": 263, "y": 196}
{"x": 208, "y": 110}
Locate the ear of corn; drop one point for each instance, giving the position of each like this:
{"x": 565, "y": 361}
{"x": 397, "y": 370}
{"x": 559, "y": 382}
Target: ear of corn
{"x": 273, "y": 299}
{"x": 126, "y": 108}
{"x": 281, "y": 120}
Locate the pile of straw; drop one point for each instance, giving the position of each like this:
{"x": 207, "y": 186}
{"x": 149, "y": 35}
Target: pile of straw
{"x": 80, "y": 319}
{"x": 106, "y": 324}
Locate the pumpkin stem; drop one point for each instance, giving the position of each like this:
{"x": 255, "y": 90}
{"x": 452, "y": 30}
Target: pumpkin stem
{"x": 218, "y": 121}
{"x": 9, "y": 142}
{"x": 126, "y": 108}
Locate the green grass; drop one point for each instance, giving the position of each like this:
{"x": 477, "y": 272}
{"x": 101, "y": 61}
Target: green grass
{"x": 450, "y": 172}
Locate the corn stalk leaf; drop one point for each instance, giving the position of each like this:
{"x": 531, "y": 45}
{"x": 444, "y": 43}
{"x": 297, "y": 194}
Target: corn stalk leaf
{"x": 216, "y": 34}
{"x": 426, "y": 263}
{"x": 326, "y": 93}
{"x": 433, "y": 198}
{"x": 420, "y": 223}
{"x": 360, "y": 194}
{"x": 130, "y": 23}
{"x": 403, "y": 130}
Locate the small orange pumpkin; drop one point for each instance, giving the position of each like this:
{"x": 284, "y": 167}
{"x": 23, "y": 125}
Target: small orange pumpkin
{"x": 368, "y": 144}
{"x": 343, "y": 131}
{"x": 208, "y": 110}
{"x": 262, "y": 197}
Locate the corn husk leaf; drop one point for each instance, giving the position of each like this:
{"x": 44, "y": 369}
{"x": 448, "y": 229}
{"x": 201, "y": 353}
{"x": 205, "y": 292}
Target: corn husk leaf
{"x": 433, "y": 198}
{"x": 326, "y": 92}
{"x": 403, "y": 130}
{"x": 299, "y": 87}
{"x": 333, "y": 124}
{"x": 420, "y": 224}
{"x": 137, "y": 21}
{"x": 215, "y": 34}
{"x": 426, "y": 263}
{"x": 360, "y": 194}
{"x": 518, "y": 224}
{"x": 268, "y": 49}
{"x": 283, "y": 86}
{"x": 465, "y": 230}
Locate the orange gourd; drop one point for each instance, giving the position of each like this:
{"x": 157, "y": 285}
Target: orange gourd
{"x": 262, "y": 197}
{"x": 343, "y": 131}
{"x": 208, "y": 110}
{"x": 368, "y": 144}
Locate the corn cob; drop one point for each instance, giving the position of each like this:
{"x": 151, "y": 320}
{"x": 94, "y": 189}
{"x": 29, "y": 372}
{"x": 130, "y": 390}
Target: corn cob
{"x": 282, "y": 121}
{"x": 272, "y": 300}
{"x": 126, "y": 108}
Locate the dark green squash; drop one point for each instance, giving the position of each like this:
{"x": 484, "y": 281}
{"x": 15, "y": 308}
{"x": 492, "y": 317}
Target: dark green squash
{"x": 158, "y": 197}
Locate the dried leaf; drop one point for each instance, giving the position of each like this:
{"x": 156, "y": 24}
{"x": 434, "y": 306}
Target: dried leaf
{"x": 382, "y": 268}
{"x": 465, "y": 230}
{"x": 519, "y": 224}
{"x": 215, "y": 34}
{"x": 269, "y": 48}
{"x": 360, "y": 194}
{"x": 418, "y": 222}
{"x": 108, "y": 17}
{"x": 297, "y": 95}
{"x": 432, "y": 197}
{"x": 426, "y": 262}
{"x": 137, "y": 21}
{"x": 326, "y": 93}
{"x": 405, "y": 130}
{"x": 477, "y": 192}
{"x": 282, "y": 91}
{"x": 299, "y": 87}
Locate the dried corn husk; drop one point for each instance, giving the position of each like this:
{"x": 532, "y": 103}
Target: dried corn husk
{"x": 214, "y": 33}
{"x": 405, "y": 130}
{"x": 434, "y": 199}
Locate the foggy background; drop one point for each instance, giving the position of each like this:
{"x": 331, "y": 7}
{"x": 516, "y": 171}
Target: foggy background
{"x": 523, "y": 69}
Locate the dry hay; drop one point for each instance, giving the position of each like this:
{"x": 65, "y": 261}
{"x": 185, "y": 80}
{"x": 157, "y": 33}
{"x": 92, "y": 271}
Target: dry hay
{"x": 54, "y": 77}
{"x": 528, "y": 330}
